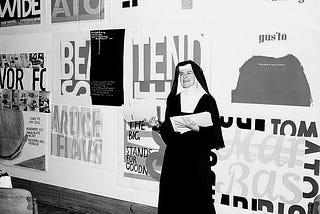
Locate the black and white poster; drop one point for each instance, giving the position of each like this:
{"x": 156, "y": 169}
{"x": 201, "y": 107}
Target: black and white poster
{"x": 106, "y": 73}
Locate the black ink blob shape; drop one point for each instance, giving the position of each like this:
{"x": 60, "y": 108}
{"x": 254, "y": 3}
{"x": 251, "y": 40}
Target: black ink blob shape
{"x": 275, "y": 81}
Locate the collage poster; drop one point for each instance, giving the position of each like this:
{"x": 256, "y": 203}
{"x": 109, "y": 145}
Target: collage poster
{"x": 24, "y": 110}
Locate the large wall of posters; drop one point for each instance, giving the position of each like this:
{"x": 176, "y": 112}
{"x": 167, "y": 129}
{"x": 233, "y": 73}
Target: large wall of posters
{"x": 264, "y": 84}
{"x": 261, "y": 62}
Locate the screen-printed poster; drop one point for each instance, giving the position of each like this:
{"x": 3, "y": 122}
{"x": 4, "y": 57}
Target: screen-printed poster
{"x": 19, "y": 12}
{"x": 265, "y": 82}
{"x": 76, "y": 10}
{"x": 106, "y": 73}
{"x": 76, "y": 127}
{"x": 72, "y": 62}
{"x": 151, "y": 57}
{"x": 76, "y": 133}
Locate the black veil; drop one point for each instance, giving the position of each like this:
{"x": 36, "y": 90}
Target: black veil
{"x": 197, "y": 72}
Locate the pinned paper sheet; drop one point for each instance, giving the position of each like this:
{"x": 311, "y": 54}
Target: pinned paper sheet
{"x": 201, "y": 119}
{"x": 139, "y": 110}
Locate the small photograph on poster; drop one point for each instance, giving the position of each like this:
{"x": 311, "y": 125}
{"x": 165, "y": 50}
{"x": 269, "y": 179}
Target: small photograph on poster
{"x": 12, "y": 60}
{"x": 44, "y": 101}
{"x": 23, "y": 100}
{"x": 36, "y": 60}
{"x": 15, "y": 99}
{"x": 23, "y": 60}
{"x": 6, "y": 100}
{"x": 33, "y": 101}
{"x": 3, "y": 60}
{"x": 19, "y": 60}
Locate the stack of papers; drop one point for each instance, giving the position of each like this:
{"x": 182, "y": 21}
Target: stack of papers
{"x": 201, "y": 119}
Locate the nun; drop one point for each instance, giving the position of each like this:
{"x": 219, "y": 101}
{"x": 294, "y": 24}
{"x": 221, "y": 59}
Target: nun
{"x": 185, "y": 182}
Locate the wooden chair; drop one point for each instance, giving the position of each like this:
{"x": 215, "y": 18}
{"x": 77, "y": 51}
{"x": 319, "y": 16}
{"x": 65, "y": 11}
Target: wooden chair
{"x": 17, "y": 201}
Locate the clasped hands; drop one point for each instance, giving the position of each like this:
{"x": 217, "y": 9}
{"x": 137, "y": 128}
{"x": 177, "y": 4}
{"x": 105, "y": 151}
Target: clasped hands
{"x": 187, "y": 123}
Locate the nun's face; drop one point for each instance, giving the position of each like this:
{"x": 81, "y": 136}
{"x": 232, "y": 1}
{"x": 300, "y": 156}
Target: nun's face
{"x": 187, "y": 78}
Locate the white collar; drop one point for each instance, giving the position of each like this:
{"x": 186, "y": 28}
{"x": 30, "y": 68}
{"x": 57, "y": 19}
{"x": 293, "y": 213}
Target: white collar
{"x": 189, "y": 99}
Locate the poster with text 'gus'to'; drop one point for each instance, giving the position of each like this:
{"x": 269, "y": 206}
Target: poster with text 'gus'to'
{"x": 25, "y": 101}
{"x": 265, "y": 81}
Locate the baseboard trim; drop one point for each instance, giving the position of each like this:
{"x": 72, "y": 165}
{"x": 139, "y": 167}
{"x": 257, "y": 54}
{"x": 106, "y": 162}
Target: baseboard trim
{"x": 80, "y": 201}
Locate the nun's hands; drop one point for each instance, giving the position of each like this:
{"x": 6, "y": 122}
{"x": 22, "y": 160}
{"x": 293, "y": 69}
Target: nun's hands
{"x": 153, "y": 122}
{"x": 187, "y": 123}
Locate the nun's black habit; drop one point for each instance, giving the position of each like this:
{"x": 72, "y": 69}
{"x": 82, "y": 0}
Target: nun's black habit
{"x": 185, "y": 183}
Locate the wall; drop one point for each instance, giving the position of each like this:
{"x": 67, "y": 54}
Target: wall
{"x": 260, "y": 58}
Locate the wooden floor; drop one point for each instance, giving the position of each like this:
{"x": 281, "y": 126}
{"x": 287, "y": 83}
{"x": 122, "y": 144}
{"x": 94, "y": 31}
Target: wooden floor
{"x": 49, "y": 209}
